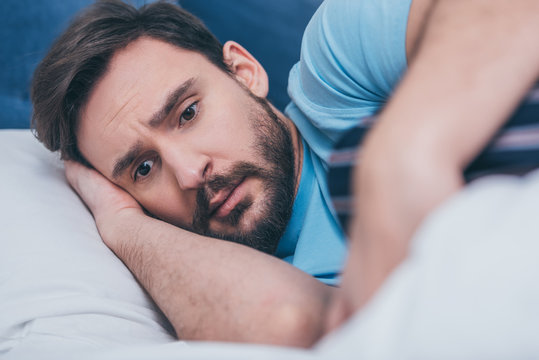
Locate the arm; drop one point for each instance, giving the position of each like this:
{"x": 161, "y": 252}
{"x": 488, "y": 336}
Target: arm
{"x": 474, "y": 61}
{"x": 209, "y": 289}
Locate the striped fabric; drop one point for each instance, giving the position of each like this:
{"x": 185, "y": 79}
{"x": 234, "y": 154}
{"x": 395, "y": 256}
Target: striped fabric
{"x": 513, "y": 150}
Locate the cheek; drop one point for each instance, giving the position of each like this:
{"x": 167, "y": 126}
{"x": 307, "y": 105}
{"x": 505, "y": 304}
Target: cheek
{"x": 231, "y": 130}
{"x": 166, "y": 203}
{"x": 231, "y": 140}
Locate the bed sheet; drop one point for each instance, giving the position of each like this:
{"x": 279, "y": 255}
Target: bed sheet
{"x": 468, "y": 289}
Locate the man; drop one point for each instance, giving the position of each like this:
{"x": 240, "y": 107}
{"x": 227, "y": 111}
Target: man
{"x": 207, "y": 153}
{"x": 191, "y": 138}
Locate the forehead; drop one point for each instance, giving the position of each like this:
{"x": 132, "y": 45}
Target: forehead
{"x": 135, "y": 85}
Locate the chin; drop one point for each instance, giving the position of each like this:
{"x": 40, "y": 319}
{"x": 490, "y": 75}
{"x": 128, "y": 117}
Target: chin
{"x": 244, "y": 226}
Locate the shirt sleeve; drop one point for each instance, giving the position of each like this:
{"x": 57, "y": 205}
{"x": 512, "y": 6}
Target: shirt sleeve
{"x": 353, "y": 54}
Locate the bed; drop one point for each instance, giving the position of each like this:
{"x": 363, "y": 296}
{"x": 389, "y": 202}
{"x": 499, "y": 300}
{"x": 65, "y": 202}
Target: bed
{"x": 469, "y": 288}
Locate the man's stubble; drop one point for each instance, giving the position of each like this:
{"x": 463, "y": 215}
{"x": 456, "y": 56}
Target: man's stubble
{"x": 273, "y": 144}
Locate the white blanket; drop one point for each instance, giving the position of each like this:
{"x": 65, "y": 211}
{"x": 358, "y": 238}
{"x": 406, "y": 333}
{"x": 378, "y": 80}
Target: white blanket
{"x": 469, "y": 289}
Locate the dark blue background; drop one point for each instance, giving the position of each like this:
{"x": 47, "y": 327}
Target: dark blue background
{"x": 270, "y": 30}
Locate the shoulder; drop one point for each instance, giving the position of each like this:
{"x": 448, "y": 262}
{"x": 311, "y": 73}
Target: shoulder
{"x": 353, "y": 53}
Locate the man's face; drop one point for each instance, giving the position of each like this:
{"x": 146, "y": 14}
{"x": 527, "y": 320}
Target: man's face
{"x": 190, "y": 144}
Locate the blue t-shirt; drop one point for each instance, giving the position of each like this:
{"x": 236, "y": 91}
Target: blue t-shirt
{"x": 353, "y": 54}
{"x": 313, "y": 240}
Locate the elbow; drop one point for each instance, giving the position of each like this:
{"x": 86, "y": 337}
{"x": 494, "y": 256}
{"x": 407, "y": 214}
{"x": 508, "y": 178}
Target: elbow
{"x": 289, "y": 325}
{"x": 297, "y": 326}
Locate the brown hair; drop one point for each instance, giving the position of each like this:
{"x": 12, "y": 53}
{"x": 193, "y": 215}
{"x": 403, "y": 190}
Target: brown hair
{"x": 80, "y": 56}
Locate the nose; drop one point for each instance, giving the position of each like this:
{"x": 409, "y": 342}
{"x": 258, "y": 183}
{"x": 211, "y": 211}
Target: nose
{"x": 189, "y": 166}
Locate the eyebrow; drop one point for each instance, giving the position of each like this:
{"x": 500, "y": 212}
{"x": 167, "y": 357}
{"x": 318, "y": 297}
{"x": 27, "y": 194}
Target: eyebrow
{"x": 125, "y": 161}
{"x": 172, "y": 99}
{"x": 122, "y": 163}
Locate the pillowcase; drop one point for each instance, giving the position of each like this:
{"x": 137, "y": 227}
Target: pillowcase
{"x": 58, "y": 280}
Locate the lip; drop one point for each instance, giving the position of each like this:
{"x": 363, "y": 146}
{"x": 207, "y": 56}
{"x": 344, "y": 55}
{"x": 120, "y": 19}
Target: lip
{"x": 225, "y": 200}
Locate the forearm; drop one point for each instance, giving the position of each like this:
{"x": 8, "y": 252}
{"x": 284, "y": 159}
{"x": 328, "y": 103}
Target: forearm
{"x": 474, "y": 61}
{"x": 215, "y": 290}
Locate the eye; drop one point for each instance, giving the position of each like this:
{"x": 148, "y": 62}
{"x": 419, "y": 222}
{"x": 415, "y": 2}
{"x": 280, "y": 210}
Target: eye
{"x": 189, "y": 114}
{"x": 143, "y": 169}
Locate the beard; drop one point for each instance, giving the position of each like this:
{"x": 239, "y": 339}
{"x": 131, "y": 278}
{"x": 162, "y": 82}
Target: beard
{"x": 273, "y": 144}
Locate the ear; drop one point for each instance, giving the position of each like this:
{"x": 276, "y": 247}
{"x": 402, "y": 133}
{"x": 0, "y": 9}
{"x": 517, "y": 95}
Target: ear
{"x": 246, "y": 68}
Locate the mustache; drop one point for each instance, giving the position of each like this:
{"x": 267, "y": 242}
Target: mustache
{"x": 217, "y": 183}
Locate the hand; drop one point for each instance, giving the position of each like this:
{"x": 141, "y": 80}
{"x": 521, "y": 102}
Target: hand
{"x": 105, "y": 200}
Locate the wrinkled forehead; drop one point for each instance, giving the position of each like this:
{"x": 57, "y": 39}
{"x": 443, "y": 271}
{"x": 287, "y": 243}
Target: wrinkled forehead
{"x": 133, "y": 88}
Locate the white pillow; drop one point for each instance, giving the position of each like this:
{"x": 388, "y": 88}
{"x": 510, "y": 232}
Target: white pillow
{"x": 63, "y": 293}
{"x": 58, "y": 281}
